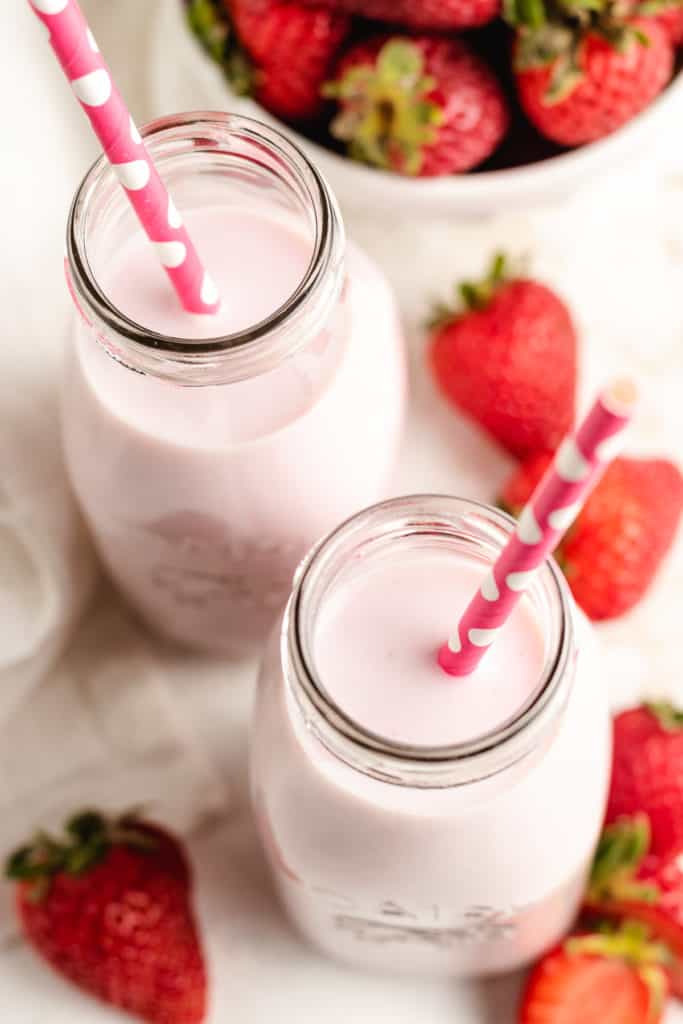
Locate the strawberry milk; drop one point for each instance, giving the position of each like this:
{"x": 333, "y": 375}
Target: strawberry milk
{"x": 209, "y": 453}
{"x": 414, "y": 821}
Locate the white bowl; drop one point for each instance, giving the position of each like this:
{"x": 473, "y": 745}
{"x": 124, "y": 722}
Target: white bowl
{"x": 183, "y": 77}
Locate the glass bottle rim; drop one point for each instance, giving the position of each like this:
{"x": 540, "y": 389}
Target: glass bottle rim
{"x": 405, "y": 763}
{"x": 203, "y": 128}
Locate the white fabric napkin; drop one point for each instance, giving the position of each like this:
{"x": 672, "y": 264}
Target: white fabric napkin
{"x": 46, "y": 564}
{"x": 102, "y": 729}
{"x": 87, "y": 713}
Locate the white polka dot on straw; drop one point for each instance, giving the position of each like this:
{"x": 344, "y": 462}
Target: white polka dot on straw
{"x": 489, "y": 588}
{"x": 528, "y": 530}
{"x": 174, "y": 218}
{"x": 75, "y": 47}
{"x": 576, "y": 468}
{"x": 133, "y": 175}
{"x": 171, "y": 254}
{"x": 454, "y": 644}
{"x": 209, "y": 291}
{"x": 570, "y": 463}
{"x": 519, "y": 580}
{"x": 93, "y": 89}
{"x": 49, "y": 6}
{"x": 135, "y": 134}
{"x": 610, "y": 448}
{"x": 562, "y": 518}
{"x": 482, "y": 637}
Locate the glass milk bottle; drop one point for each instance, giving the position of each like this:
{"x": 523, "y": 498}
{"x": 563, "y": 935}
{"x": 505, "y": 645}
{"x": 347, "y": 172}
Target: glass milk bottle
{"x": 208, "y": 453}
{"x": 412, "y": 821}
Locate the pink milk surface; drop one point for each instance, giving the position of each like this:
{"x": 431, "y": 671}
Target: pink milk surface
{"x": 375, "y": 653}
{"x": 202, "y": 500}
{"x": 256, "y": 262}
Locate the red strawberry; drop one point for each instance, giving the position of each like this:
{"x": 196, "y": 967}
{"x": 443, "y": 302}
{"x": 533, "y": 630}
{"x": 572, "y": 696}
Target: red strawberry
{"x": 108, "y": 907}
{"x": 578, "y": 85}
{"x": 294, "y": 47}
{"x": 422, "y": 106}
{"x": 519, "y": 487}
{"x": 670, "y": 17}
{"x": 610, "y": 977}
{"x": 492, "y": 358}
{"x": 628, "y": 882}
{"x": 667, "y": 13}
{"x": 611, "y": 554}
{"x": 647, "y": 773}
{"x": 425, "y": 14}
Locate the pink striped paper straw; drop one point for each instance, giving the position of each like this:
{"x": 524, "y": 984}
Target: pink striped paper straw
{"x": 91, "y": 81}
{"x": 579, "y": 463}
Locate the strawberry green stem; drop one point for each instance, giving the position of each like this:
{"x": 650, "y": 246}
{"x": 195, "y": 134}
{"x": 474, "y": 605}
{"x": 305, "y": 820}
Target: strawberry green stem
{"x": 88, "y": 837}
{"x": 629, "y": 941}
{"x": 668, "y": 716}
{"x": 550, "y": 33}
{"x": 474, "y": 295}
{"x": 621, "y": 851}
{"x": 386, "y": 114}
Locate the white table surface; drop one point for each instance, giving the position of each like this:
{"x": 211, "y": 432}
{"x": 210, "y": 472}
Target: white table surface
{"x": 617, "y": 256}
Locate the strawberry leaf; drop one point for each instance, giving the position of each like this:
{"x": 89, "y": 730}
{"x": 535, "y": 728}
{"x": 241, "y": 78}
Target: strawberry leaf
{"x": 84, "y": 856}
{"x": 88, "y": 837}
{"x": 542, "y": 46}
{"x": 478, "y": 294}
{"x": 629, "y": 940}
{"x": 531, "y": 13}
{"x": 86, "y": 825}
{"x": 657, "y": 985}
{"x": 668, "y": 716}
{"x": 472, "y": 295}
{"x": 387, "y": 115}
{"x": 209, "y": 27}
{"x": 621, "y": 851}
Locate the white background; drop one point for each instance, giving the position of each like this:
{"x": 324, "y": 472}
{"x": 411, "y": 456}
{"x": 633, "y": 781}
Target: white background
{"x": 616, "y": 253}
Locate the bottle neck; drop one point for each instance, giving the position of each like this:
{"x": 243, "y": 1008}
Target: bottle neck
{"x": 453, "y": 525}
{"x": 209, "y": 159}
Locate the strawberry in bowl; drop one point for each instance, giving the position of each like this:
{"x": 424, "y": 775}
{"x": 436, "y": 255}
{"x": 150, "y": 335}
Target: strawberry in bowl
{"x": 426, "y": 106}
{"x": 285, "y": 62}
{"x": 293, "y": 48}
{"x": 427, "y": 14}
{"x": 582, "y": 74}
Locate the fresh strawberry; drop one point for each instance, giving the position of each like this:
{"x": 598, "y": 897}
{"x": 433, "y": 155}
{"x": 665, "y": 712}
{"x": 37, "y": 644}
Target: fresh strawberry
{"x": 667, "y": 13}
{"x": 491, "y": 358}
{"x": 647, "y": 773}
{"x": 583, "y": 70}
{"x": 611, "y": 976}
{"x": 670, "y": 17}
{"x": 612, "y": 552}
{"x": 520, "y": 485}
{"x": 293, "y": 48}
{"x": 423, "y": 14}
{"x": 108, "y": 907}
{"x": 422, "y": 106}
{"x": 628, "y": 882}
